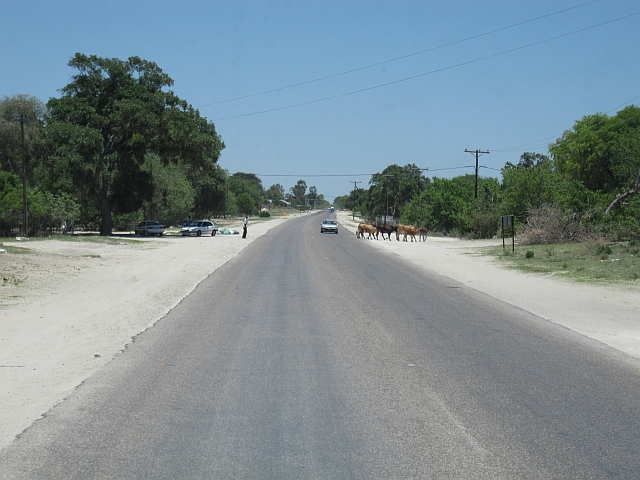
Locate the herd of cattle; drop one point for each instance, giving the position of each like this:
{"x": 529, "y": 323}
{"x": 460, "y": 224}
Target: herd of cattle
{"x": 406, "y": 230}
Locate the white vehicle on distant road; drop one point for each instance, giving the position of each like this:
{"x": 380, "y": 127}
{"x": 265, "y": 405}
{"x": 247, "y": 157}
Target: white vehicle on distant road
{"x": 329, "y": 225}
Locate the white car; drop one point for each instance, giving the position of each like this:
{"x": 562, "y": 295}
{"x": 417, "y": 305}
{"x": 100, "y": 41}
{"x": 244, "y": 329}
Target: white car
{"x": 199, "y": 227}
{"x": 329, "y": 225}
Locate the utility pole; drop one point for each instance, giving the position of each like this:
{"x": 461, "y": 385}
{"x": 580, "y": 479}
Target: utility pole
{"x": 386, "y": 188}
{"x": 419, "y": 170}
{"x": 477, "y": 153}
{"x": 25, "y": 226}
{"x": 353, "y": 216}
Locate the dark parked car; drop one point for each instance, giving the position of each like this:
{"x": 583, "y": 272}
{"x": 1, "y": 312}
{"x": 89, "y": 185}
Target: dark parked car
{"x": 150, "y": 227}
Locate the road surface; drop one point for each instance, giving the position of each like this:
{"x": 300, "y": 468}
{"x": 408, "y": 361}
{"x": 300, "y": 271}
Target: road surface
{"x": 313, "y": 356}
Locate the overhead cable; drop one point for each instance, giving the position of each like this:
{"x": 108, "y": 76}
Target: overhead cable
{"x": 450, "y": 67}
{"x": 473, "y": 37}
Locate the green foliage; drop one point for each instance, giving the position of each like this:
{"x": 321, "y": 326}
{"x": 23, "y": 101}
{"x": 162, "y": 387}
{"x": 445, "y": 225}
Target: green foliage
{"x": 210, "y": 184}
{"x": 245, "y": 194}
{"x": 341, "y": 202}
{"x": 45, "y": 210}
{"x": 485, "y": 221}
{"x": 449, "y": 203}
{"x": 125, "y": 222}
{"x": 246, "y": 204}
{"x": 108, "y": 119}
{"x": 528, "y": 185}
{"x": 395, "y": 186}
{"x": 13, "y": 110}
{"x": 275, "y": 193}
{"x": 298, "y": 194}
{"x": 601, "y": 151}
{"x": 173, "y": 195}
{"x": 603, "y": 249}
{"x": 417, "y": 212}
{"x": 529, "y": 254}
{"x": 264, "y": 214}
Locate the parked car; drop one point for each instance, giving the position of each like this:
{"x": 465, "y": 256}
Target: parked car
{"x": 149, "y": 227}
{"x": 199, "y": 227}
{"x": 329, "y": 225}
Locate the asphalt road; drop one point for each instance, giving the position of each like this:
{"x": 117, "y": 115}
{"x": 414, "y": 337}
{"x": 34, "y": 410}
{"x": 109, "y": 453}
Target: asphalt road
{"x": 314, "y": 356}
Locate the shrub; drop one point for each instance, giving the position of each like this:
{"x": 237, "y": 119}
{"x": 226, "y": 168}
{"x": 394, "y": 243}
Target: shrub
{"x": 603, "y": 249}
{"x": 550, "y": 224}
{"x": 529, "y": 254}
{"x": 264, "y": 214}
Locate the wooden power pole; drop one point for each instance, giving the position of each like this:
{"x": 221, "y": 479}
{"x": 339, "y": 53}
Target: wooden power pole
{"x": 477, "y": 154}
{"x": 355, "y": 187}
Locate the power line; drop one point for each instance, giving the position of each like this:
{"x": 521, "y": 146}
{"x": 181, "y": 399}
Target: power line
{"x": 468, "y": 62}
{"x": 450, "y": 168}
{"x": 473, "y": 37}
{"x": 317, "y": 175}
{"x": 544, "y": 140}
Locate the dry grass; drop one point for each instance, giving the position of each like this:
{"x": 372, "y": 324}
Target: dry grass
{"x": 592, "y": 262}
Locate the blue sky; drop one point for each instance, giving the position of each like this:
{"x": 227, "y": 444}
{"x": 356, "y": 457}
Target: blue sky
{"x": 519, "y": 99}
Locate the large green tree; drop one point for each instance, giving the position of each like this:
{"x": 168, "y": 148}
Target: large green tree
{"x": 395, "y": 186}
{"x": 275, "y": 193}
{"x": 529, "y": 184}
{"x": 111, "y": 115}
{"x": 19, "y": 114}
{"x": 247, "y": 192}
{"x": 601, "y": 150}
{"x": 298, "y": 192}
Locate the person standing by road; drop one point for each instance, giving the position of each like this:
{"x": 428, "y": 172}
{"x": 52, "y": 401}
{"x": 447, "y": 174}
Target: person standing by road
{"x": 244, "y": 227}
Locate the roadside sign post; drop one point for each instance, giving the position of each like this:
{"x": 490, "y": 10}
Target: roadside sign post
{"x": 507, "y": 221}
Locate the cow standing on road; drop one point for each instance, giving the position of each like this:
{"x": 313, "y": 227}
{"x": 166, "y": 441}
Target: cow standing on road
{"x": 366, "y": 228}
{"x": 388, "y": 229}
{"x": 407, "y": 231}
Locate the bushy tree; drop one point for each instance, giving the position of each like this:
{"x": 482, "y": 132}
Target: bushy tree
{"x": 275, "y": 193}
{"x": 598, "y": 150}
{"x": 173, "y": 195}
{"x": 341, "y": 202}
{"x": 247, "y": 192}
{"x": 394, "y": 187}
{"x": 449, "y": 203}
{"x": 529, "y": 184}
{"x": 17, "y": 114}
{"x": 210, "y": 183}
{"x": 298, "y": 192}
{"x": 109, "y": 118}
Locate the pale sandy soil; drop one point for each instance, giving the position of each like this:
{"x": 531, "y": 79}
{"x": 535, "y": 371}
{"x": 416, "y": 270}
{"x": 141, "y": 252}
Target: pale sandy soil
{"x": 77, "y": 304}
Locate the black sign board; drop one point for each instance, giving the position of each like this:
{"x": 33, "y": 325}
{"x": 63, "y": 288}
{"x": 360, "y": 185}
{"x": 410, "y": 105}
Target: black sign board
{"x": 507, "y": 222}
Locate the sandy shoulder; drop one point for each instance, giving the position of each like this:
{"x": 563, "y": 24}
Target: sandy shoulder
{"x": 610, "y": 315}
{"x": 80, "y": 303}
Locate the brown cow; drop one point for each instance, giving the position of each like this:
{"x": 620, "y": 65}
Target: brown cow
{"x": 388, "y": 229}
{"x": 422, "y": 234}
{"x": 366, "y": 228}
{"x": 407, "y": 231}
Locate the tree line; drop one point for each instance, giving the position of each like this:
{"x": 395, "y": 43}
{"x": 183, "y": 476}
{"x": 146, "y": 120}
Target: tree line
{"x": 587, "y": 186}
{"x": 116, "y": 147}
